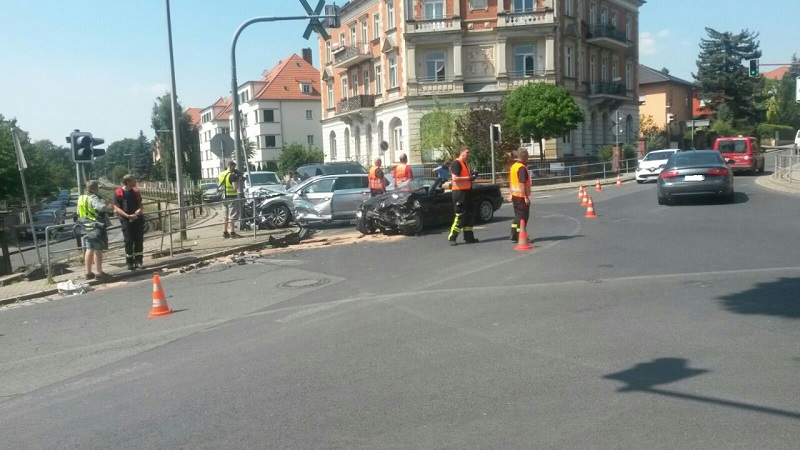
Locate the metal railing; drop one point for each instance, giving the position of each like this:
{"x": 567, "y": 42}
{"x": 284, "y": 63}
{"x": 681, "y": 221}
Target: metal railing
{"x": 787, "y": 166}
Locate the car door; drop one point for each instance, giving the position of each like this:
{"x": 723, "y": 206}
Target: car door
{"x": 313, "y": 202}
{"x": 348, "y": 194}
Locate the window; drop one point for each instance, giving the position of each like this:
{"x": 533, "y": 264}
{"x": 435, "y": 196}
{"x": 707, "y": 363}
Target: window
{"x": 310, "y": 139}
{"x": 628, "y": 26}
{"x": 580, "y": 65}
{"x": 604, "y": 69}
{"x": 353, "y": 35}
{"x": 309, "y": 114}
{"x": 523, "y": 5}
{"x": 376, "y": 26}
{"x": 327, "y": 52}
{"x": 568, "y": 62}
{"x": 330, "y": 94}
{"x": 393, "y": 71}
{"x": 524, "y": 57}
{"x": 325, "y": 185}
{"x": 378, "y": 78}
{"x": 433, "y": 9}
{"x": 614, "y": 19}
{"x": 614, "y": 69}
{"x": 435, "y": 67}
{"x": 345, "y": 90}
{"x": 354, "y": 83}
{"x": 244, "y": 97}
{"x": 581, "y": 9}
{"x": 267, "y": 115}
{"x": 592, "y": 69}
{"x": 592, "y": 14}
{"x": 603, "y": 15}
{"x": 364, "y": 32}
{"x": 567, "y": 7}
{"x": 478, "y": 4}
{"x": 332, "y": 145}
{"x": 206, "y": 117}
{"x": 305, "y": 88}
{"x": 390, "y": 15}
{"x": 628, "y": 76}
{"x": 341, "y": 40}
{"x": 366, "y": 82}
{"x": 343, "y": 183}
{"x": 266, "y": 141}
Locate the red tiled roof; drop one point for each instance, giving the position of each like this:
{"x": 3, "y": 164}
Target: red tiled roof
{"x": 194, "y": 116}
{"x": 776, "y": 74}
{"x": 283, "y": 81}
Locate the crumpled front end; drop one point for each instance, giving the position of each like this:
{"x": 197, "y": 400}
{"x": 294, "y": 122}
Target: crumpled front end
{"x": 306, "y": 211}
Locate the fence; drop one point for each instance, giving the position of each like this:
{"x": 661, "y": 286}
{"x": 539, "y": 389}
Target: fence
{"x": 787, "y": 166}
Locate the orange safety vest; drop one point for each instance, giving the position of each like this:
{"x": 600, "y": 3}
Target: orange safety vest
{"x": 375, "y": 183}
{"x": 400, "y": 175}
{"x": 461, "y": 185}
{"x": 518, "y": 189}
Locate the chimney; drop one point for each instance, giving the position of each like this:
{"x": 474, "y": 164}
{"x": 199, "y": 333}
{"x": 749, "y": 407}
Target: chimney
{"x": 307, "y": 56}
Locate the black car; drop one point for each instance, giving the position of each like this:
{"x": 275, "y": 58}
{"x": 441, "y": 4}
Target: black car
{"x": 695, "y": 172}
{"x": 420, "y": 203}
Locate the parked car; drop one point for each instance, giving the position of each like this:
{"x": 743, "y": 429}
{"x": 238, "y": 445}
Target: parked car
{"x": 333, "y": 168}
{"x": 747, "y": 154}
{"x": 695, "y": 172}
{"x": 254, "y": 180}
{"x": 41, "y": 220}
{"x": 64, "y": 195}
{"x": 60, "y": 213}
{"x": 210, "y": 193}
{"x": 420, "y": 203}
{"x": 324, "y": 198}
{"x": 650, "y": 166}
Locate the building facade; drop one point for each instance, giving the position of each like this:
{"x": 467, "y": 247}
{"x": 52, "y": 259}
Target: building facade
{"x": 669, "y": 100}
{"x": 391, "y": 61}
{"x": 280, "y": 109}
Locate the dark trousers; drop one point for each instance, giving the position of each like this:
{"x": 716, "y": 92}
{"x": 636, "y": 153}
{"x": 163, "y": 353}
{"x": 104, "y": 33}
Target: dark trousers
{"x": 465, "y": 215}
{"x": 521, "y": 212}
{"x": 133, "y": 232}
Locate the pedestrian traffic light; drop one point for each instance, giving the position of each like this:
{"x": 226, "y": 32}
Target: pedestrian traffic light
{"x": 83, "y": 150}
{"x": 753, "y": 67}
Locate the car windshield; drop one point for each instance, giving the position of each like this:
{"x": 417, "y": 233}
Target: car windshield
{"x": 416, "y": 183}
{"x": 695, "y": 159}
{"x": 738, "y": 146}
{"x": 257, "y": 179}
{"x": 338, "y": 169}
{"x": 657, "y": 156}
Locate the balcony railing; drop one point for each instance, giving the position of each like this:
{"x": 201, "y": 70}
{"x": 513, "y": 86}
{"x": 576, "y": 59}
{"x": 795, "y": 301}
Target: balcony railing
{"x": 606, "y": 88}
{"x": 424, "y": 24}
{"x": 606, "y": 31}
{"x": 351, "y": 54}
{"x": 355, "y": 103}
{"x": 526, "y": 17}
{"x": 433, "y": 86}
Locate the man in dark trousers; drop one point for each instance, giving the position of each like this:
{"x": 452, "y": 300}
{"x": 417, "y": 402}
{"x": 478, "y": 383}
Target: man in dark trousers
{"x": 377, "y": 182}
{"x": 462, "y": 180}
{"x": 520, "y": 191}
{"x": 128, "y": 206}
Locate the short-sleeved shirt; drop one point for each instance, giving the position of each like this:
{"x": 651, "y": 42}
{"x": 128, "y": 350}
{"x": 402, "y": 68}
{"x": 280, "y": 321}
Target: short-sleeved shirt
{"x": 455, "y": 169}
{"x": 129, "y": 202}
{"x": 522, "y": 174}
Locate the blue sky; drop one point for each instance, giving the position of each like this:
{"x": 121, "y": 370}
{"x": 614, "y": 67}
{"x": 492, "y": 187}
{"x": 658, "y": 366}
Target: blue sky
{"x": 98, "y": 65}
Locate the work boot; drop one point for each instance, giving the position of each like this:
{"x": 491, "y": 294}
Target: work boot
{"x": 131, "y": 267}
{"x": 453, "y": 243}
{"x": 226, "y": 235}
{"x": 514, "y": 235}
{"x": 470, "y": 238}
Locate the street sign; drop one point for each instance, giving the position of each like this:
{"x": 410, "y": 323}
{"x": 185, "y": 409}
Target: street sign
{"x": 313, "y": 23}
{"x": 697, "y": 123}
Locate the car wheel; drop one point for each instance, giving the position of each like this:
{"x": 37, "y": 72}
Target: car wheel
{"x": 485, "y": 211}
{"x": 417, "y": 228}
{"x": 281, "y": 216}
{"x": 366, "y": 226}
{"x": 761, "y": 168}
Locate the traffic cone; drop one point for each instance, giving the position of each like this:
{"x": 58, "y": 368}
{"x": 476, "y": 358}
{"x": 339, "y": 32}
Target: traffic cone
{"x": 580, "y": 192}
{"x": 597, "y": 186}
{"x": 585, "y": 201}
{"x": 160, "y": 307}
{"x": 590, "y": 210}
{"x": 619, "y": 180}
{"x": 523, "y": 237}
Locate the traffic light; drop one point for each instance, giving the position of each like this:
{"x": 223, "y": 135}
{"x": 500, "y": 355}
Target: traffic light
{"x": 496, "y": 133}
{"x": 753, "y": 67}
{"x": 83, "y": 150}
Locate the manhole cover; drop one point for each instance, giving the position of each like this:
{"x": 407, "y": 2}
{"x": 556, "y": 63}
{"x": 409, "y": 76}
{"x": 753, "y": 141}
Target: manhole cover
{"x": 304, "y": 283}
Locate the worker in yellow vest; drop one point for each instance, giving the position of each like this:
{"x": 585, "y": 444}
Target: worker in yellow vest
{"x": 94, "y": 214}
{"x": 520, "y": 195}
{"x": 229, "y": 187}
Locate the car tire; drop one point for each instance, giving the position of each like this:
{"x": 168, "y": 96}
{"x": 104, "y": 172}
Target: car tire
{"x": 485, "y": 211}
{"x": 281, "y": 216}
{"x": 416, "y": 230}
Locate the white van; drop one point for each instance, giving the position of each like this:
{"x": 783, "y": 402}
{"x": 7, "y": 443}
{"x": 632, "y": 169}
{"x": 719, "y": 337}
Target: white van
{"x": 797, "y": 140}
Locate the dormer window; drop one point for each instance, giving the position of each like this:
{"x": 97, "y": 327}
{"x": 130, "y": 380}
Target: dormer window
{"x": 305, "y": 88}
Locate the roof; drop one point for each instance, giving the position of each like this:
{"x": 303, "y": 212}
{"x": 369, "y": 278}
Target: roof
{"x": 648, "y": 75}
{"x": 194, "y": 116}
{"x": 283, "y": 81}
{"x": 776, "y": 74}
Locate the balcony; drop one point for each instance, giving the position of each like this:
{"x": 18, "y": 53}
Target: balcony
{"x": 435, "y": 86}
{"x": 427, "y": 25}
{"x": 521, "y": 78}
{"x": 607, "y": 36}
{"x": 356, "y": 108}
{"x": 350, "y": 55}
{"x": 609, "y": 94}
{"x": 526, "y": 19}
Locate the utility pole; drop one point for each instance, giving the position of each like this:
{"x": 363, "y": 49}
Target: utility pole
{"x": 176, "y": 140}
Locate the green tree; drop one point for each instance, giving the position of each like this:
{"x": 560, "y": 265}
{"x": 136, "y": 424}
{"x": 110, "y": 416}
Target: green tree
{"x": 437, "y": 131}
{"x": 723, "y": 79}
{"x": 141, "y": 157}
{"x": 783, "y": 107}
{"x": 295, "y": 155}
{"x": 542, "y": 111}
{"x": 161, "y": 119}
{"x": 472, "y": 129}
{"x": 118, "y": 153}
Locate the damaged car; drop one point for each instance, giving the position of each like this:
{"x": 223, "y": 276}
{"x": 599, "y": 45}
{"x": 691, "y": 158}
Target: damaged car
{"x": 421, "y": 203}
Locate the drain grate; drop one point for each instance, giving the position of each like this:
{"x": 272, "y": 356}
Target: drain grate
{"x": 304, "y": 283}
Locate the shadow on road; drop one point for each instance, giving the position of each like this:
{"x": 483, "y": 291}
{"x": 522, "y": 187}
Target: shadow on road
{"x": 776, "y": 298}
{"x": 738, "y": 197}
{"x": 645, "y": 377}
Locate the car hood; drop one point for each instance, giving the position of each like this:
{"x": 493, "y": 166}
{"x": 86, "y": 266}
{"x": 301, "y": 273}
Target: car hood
{"x": 397, "y": 197}
{"x": 652, "y": 164}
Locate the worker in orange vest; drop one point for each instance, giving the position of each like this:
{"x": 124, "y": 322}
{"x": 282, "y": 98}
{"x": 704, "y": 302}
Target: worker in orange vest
{"x": 377, "y": 182}
{"x": 520, "y": 187}
{"x": 402, "y": 172}
{"x": 462, "y": 181}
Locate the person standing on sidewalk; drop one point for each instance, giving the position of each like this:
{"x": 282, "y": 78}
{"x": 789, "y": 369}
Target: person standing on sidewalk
{"x": 462, "y": 181}
{"x": 229, "y": 187}
{"x": 377, "y": 182}
{"x": 128, "y": 205}
{"x": 402, "y": 172}
{"x": 520, "y": 195}
{"x": 94, "y": 211}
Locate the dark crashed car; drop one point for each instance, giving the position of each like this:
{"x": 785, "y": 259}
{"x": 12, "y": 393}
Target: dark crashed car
{"x": 695, "y": 172}
{"x": 420, "y": 203}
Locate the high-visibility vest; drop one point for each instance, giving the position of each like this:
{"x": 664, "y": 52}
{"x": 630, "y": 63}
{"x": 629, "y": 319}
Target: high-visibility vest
{"x": 461, "y": 185}
{"x": 375, "y": 183}
{"x": 400, "y": 175}
{"x": 518, "y": 189}
{"x": 225, "y": 178}
{"x": 85, "y": 209}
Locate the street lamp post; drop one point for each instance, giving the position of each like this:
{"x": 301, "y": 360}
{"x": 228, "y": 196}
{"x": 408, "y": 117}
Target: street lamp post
{"x": 176, "y": 131}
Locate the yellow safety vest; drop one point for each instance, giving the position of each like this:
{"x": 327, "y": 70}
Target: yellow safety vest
{"x": 225, "y": 178}
{"x": 85, "y": 209}
{"x": 518, "y": 189}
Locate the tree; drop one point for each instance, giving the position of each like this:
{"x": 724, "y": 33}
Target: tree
{"x": 161, "y": 119}
{"x": 141, "y": 157}
{"x": 542, "y": 111}
{"x": 654, "y": 136}
{"x": 295, "y": 155}
{"x": 723, "y": 79}
{"x": 118, "y": 153}
{"x": 783, "y": 109}
{"x": 472, "y": 129}
{"x": 437, "y": 130}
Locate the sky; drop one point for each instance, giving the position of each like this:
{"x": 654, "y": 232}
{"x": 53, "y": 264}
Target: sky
{"x": 99, "y": 65}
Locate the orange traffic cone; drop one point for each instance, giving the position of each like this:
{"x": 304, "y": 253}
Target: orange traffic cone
{"x": 160, "y": 307}
{"x": 580, "y": 192}
{"x": 590, "y": 210}
{"x": 619, "y": 180}
{"x": 523, "y": 244}
{"x": 585, "y": 201}
{"x": 597, "y": 186}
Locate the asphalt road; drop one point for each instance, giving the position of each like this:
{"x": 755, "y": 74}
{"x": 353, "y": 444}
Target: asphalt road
{"x": 648, "y": 327}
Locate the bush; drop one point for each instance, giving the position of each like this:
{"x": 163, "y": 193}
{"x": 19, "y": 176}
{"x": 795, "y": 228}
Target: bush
{"x": 767, "y": 131}
{"x": 606, "y": 153}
